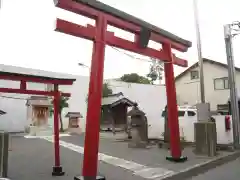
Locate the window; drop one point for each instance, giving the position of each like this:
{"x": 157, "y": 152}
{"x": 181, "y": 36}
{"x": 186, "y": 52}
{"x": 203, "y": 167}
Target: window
{"x": 221, "y": 83}
{"x": 194, "y": 74}
{"x": 163, "y": 113}
{"x": 223, "y": 109}
{"x": 191, "y": 113}
{"x": 180, "y": 113}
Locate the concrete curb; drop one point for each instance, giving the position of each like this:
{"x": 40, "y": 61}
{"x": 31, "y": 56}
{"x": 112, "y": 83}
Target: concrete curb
{"x": 203, "y": 167}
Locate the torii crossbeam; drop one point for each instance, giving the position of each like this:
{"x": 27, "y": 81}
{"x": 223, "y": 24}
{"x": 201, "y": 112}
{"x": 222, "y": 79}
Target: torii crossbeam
{"x": 105, "y": 15}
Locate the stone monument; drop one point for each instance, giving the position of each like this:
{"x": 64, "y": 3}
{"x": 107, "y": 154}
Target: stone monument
{"x": 128, "y": 128}
{"x": 139, "y": 128}
{"x": 166, "y": 134}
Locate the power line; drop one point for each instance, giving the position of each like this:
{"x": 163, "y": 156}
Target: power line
{"x": 131, "y": 56}
{"x": 142, "y": 59}
{"x": 18, "y": 98}
{"x": 134, "y": 57}
{"x": 9, "y": 97}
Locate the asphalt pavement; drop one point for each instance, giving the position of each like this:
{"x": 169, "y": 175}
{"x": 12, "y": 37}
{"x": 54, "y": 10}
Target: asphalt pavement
{"x": 33, "y": 159}
{"x": 230, "y": 171}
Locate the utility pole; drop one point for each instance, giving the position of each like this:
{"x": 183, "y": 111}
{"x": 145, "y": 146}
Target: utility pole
{"x": 228, "y": 35}
{"x": 203, "y": 108}
{"x": 199, "y": 49}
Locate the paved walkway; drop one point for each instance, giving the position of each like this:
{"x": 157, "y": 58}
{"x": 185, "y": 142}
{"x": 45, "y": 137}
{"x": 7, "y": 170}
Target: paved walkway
{"x": 131, "y": 166}
{"x": 153, "y": 157}
{"x": 33, "y": 159}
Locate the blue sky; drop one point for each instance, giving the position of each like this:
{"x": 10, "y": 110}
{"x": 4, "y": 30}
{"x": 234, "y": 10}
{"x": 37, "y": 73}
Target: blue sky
{"x": 28, "y": 39}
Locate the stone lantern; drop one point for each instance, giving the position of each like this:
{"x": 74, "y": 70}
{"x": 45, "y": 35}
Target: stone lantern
{"x": 139, "y": 128}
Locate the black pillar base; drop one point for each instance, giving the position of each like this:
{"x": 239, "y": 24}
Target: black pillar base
{"x": 57, "y": 171}
{"x": 178, "y": 160}
{"x": 89, "y": 178}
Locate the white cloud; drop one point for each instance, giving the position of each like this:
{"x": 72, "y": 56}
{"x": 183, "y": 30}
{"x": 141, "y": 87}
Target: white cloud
{"x": 27, "y": 37}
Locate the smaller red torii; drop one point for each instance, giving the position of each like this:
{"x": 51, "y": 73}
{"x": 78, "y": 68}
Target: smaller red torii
{"x": 56, "y": 94}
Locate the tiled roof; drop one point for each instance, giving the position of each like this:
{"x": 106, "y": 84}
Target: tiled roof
{"x": 204, "y": 60}
{"x": 74, "y": 114}
{"x": 2, "y": 112}
{"x": 116, "y": 99}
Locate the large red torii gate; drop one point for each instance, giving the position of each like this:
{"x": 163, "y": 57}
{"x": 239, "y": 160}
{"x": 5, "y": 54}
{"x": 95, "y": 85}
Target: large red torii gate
{"x": 105, "y": 15}
{"x": 56, "y": 94}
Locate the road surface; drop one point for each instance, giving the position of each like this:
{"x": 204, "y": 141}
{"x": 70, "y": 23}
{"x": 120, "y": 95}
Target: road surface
{"x": 230, "y": 171}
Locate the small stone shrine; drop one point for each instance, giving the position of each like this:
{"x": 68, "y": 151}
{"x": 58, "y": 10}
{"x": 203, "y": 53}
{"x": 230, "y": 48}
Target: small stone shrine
{"x": 139, "y": 128}
{"x": 73, "y": 122}
{"x": 38, "y": 115}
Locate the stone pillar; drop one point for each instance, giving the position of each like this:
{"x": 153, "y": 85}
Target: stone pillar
{"x": 138, "y": 132}
{"x": 205, "y": 131}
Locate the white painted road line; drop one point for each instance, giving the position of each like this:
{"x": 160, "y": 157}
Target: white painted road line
{"x": 137, "y": 169}
{"x": 37, "y": 137}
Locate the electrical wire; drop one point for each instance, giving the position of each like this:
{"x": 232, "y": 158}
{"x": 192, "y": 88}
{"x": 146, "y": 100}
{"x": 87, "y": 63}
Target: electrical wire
{"x": 131, "y": 56}
{"x": 134, "y": 57}
{"x": 18, "y": 98}
{"x": 9, "y": 97}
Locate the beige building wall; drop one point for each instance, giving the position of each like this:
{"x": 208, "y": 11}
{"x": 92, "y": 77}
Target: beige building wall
{"x": 188, "y": 90}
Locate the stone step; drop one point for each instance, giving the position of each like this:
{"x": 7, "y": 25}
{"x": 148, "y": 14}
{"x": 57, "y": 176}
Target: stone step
{"x": 44, "y": 133}
{"x": 41, "y": 131}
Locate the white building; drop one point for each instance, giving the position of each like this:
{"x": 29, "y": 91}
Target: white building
{"x": 151, "y": 98}
{"x": 216, "y": 84}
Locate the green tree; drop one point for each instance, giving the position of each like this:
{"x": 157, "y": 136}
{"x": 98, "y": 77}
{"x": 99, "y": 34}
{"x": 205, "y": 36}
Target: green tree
{"x": 106, "y": 91}
{"x": 153, "y": 76}
{"x": 135, "y": 78}
{"x": 156, "y": 70}
{"x": 63, "y": 104}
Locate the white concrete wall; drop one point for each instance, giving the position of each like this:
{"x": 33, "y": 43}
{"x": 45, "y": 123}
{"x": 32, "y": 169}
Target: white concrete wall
{"x": 189, "y": 90}
{"x": 77, "y": 101}
{"x": 151, "y": 99}
{"x": 16, "y": 117}
{"x": 186, "y": 127}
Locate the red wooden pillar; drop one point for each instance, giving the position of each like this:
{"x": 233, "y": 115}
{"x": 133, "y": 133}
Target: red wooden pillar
{"x": 173, "y": 124}
{"x": 91, "y": 145}
{"x": 57, "y": 169}
{"x": 23, "y": 85}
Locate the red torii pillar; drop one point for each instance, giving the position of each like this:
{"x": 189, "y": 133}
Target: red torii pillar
{"x": 144, "y": 32}
{"x": 57, "y": 169}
